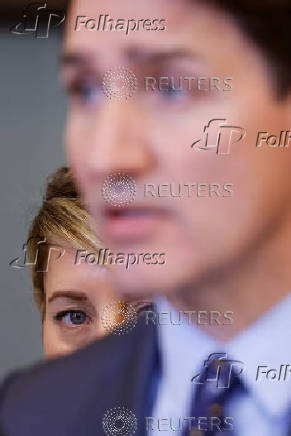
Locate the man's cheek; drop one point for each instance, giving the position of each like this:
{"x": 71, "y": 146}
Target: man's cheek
{"x": 74, "y": 159}
{"x": 78, "y": 164}
{"x": 76, "y": 143}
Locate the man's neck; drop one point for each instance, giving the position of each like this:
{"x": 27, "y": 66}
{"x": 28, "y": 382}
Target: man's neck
{"x": 249, "y": 288}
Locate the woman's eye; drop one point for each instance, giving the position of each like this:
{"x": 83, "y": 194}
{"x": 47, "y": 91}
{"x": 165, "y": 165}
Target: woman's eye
{"x": 72, "y": 317}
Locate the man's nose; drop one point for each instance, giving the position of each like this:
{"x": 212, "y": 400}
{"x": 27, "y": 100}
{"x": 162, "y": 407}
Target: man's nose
{"x": 120, "y": 139}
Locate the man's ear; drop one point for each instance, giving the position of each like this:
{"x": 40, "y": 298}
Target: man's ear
{"x": 288, "y": 116}
{"x": 289, "y": 108}
{"x": 285, "y": 102}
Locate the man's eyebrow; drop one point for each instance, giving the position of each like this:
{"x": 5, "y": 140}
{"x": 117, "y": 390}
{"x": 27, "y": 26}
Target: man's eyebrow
{"x": 74, "y": 59}
{"x": 133, "y": 54}
{"x": 71, "y": 295}
{"x": 136, "y": 55}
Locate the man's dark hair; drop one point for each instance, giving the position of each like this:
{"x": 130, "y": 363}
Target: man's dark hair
{"x": 267, "y": 23}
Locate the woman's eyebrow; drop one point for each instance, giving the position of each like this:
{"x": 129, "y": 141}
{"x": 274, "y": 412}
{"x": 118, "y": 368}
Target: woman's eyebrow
{"x": 71, "y": 295}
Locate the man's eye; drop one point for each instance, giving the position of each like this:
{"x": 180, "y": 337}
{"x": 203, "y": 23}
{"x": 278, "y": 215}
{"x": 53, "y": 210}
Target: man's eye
{"x": 72, "y": 317}
{"x": 172, "y": 93}
{"x": 86, "y": 92}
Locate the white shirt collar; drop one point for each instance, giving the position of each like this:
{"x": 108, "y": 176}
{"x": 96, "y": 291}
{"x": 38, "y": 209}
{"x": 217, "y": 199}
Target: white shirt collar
{"x": 266, "y": 342}
{"x": 184, "y": 348}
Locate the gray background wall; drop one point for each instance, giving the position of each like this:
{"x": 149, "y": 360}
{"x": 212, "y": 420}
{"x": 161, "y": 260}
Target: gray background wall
{"x": 32, "y": 119}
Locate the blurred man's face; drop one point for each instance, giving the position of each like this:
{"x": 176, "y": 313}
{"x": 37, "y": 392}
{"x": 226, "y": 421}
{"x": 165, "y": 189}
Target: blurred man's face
{"x": 148, "y": 137}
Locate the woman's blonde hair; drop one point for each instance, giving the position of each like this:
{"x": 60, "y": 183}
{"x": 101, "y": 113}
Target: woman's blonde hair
{"x": 63, "y": 216}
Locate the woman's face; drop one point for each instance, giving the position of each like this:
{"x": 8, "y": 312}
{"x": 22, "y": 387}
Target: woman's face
{"x": 75, "y": 295}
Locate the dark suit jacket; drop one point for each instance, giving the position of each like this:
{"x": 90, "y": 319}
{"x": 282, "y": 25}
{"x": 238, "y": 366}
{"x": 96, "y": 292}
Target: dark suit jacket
{"x": 70, "y": 395}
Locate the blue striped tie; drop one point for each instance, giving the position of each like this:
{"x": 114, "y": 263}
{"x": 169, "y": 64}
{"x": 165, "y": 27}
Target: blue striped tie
{"x": 214, "y": 386}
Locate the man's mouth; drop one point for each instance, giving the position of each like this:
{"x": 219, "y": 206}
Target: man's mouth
{"x": 132, "y": 223}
